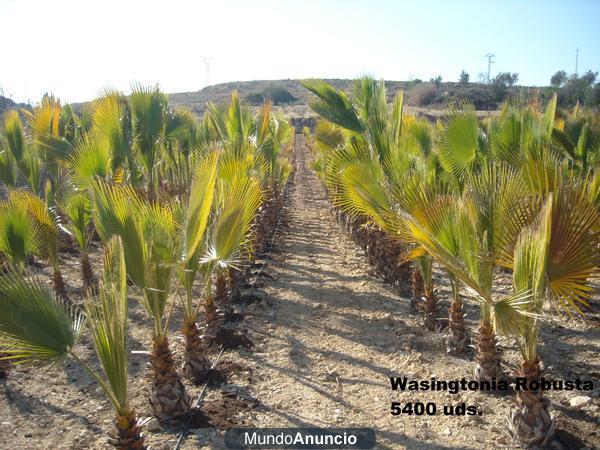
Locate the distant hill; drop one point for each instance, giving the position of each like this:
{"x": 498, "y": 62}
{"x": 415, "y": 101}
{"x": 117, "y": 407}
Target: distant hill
{"x": 220, "y": 93}
{"x": 428, "y": 99}
{"x": 6, "y": 104}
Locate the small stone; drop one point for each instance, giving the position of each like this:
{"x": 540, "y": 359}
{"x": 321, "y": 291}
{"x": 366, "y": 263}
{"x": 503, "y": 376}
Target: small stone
{"x": 153, "y": 425}
{"x": 447, "y": 432}
{"x": 580, "y": 400}
{"x": 487, "y": 410}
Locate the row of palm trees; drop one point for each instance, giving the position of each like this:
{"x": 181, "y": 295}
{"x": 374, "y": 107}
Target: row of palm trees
{"x": 518, "y": 193}
{"x": 175, "y": 202}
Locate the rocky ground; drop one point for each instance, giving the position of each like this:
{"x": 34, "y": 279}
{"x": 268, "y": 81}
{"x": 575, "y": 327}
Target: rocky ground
{"x": 326, "y": 336}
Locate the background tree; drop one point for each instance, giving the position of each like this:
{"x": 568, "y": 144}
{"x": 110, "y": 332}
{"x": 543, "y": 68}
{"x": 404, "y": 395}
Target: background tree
{"x": 589, "y": 77}
{"x": 502, "y": 82}
{"x": 463, "y": 78}
{"x": 436, "y": 81}
{"x": 558, "y": 79}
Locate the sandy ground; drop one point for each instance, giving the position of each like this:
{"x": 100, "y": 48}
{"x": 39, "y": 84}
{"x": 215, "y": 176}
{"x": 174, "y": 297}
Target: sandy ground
{"x": 328, "y": 334}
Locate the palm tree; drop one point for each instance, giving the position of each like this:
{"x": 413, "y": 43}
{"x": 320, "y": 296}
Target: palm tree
{"x": 36, "y": 326}
{"x": 551, "y": 260}
{"x": 49, "y": 233}
{"x": 107, "y": 318}
{"x": 19, "y": 236}
{"x": 151, "y": 241}
{"x": 229, "y": 247}
{"x": 20, "y": 161}
{"x": 197, "y": 215}
{"x": 77, "y": 206}
{"x": 149, "y": 109}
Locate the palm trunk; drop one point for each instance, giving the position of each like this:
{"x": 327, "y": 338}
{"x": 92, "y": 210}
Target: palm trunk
{"x": 430, "y": 310}
{"x": 418, "y": 289}
{"x": 87, "y": 272}
{"x": 458, "y": 338}
{"x": 129, "y": 433}
{"x": 222, "y": 296}
{"x": 212, "y": 319}
{"x": 169, "y": 398}
{"x": 59, "y": 285}
{"x": 195, "y": 365}
{"x": 530, "y": 424}
{"x": 235, "y": 280}
{"x": 488, "y": 356}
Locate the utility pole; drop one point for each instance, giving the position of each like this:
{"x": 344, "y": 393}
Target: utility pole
{"x": 489, "y": 56}
{"x": 207, "y": 65}
{"x": 576, "y": 60}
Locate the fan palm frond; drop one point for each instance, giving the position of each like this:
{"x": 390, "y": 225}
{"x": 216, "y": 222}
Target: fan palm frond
{"x": 34, "y": 324}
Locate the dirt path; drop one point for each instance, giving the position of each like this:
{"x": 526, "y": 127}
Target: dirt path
{"x": 333, "y": 335}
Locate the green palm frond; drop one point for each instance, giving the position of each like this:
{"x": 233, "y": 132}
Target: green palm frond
{"x": 230, "y": 241}
{"x": 45, "y": 223}
{"x": 111, "y": 121}
{"x": 161, "y": 239}
{"x": 107, "y": 319}
{"x": 8, "y": 169}
{"x": 78, "y": 209}
{"x": 34, "y": 324}
{"x": 396, "y": 118}
{"x": 328, "y": 137}
{"x": 513, "y": 316}
{"x": 44, "y": 119}
{"x": 19, "y": 235}
{"x": 114, "y": 213}
{"x": 459, "y": 142}
{"x": 333, "y": 105}
{"x": 199, "y": 204}
{"x": 360, "y": 194}
{"x": 149, "y": 110}
{"x": 90, "y": 159}
{"x": 572, "y": 262}
{"x": 15, "y": 137}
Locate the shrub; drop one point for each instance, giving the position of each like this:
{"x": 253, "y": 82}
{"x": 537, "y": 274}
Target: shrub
{"x": 423, "y": 94}
{"x": 278, "y": 95}
{"x": 559, "y": 78}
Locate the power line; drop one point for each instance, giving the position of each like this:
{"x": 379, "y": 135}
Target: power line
{"x": 489, "y": 56}
{"x": 207, "y": 63}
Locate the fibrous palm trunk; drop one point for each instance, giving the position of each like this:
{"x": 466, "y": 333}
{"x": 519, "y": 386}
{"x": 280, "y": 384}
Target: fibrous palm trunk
{"x": 431, "y": 312}
{"x": 213, "y": 321}
{"x": 59, "y": 285}
{"x": 169, "y": 398}
{"x": 195, "y": 365}
{"x": 129, "y": 433}
{"x": 531, "y": 425}
{"x": 87, "y": 272}
{"x": 457, "y": 341}
{"x": 222, "y": 296}
{"x": 235, "y": 280}
{"x": 488, "y": 357}
{"x": 418, "y": 289}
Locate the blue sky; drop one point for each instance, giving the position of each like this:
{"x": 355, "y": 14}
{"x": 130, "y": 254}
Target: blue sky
{"x": 76, "y": 48}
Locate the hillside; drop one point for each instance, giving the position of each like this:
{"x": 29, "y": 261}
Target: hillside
{"x": 422, "y": 98}
{"x": 417, "y": 95}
